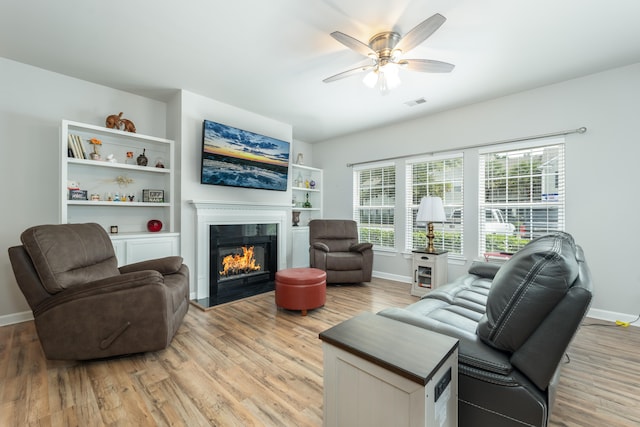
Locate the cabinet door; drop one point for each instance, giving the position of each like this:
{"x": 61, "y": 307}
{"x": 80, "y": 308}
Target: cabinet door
{"x": 144, "y": 249}
{"x": 424, "y": 277}
{"x": 300, "y": 247}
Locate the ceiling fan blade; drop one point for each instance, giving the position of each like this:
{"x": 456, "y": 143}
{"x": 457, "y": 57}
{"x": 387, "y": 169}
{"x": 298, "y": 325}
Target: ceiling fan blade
{"x": 426, "y": 65}
{"x": 348, "y": 73}
{"x": 353, "y": 44}
{"x": 420, "y": 32}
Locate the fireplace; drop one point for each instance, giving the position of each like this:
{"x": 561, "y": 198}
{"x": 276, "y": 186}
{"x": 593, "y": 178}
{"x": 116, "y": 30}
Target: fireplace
{"x": 243, "y": 260}
{"x": 216, "y": 213}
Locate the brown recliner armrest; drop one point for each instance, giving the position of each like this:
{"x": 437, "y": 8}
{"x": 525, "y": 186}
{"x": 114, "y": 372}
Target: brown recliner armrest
{"x": 360, "y": 247}
{"x": 321, "y": 246}
{"x": 164, "y": 266}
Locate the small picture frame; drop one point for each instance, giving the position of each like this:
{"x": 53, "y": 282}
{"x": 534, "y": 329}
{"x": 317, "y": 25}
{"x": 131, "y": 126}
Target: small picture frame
{"x": 78, "y": 195}
{"x": 153, "y": 196}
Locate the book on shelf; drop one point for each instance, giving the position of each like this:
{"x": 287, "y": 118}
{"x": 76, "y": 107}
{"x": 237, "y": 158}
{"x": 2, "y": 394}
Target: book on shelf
{"x": 83, "y": 152}
{"x": 72, "y": 145}
{"x": 75, "y": 145}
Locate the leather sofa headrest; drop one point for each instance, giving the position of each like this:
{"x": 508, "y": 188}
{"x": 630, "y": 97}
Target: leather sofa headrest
{"x": 526, "y": 288}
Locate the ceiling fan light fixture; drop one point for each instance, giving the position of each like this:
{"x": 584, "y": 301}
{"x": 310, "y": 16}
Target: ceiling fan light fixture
{"x": 386, "y": 50}
{"x": 391, "y": 72}
{"x": 384, "y": 78}
{"x": 371, "y": 79}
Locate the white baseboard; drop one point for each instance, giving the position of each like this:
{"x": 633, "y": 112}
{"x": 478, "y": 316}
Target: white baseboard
{"x": 612, "y": 316}
{"x": 394, "y": 277}
{"x": 10, "y": 319}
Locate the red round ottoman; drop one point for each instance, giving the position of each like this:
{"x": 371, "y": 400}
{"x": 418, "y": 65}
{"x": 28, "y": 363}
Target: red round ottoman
{"x": 301, "y": 288}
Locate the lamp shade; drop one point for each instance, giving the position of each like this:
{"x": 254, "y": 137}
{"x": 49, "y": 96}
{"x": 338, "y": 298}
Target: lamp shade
{"x": 431, "y": 209}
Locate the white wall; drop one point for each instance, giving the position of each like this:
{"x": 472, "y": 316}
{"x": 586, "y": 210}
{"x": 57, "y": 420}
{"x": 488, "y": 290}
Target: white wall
{"x": 194, "y": 109}
{"x": 32, "y": 105}
{"x": 601, "y": 169}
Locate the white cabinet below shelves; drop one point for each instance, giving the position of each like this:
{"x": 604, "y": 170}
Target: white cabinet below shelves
{"x": 300, "y": 245}
{"x": 132, "y": 248}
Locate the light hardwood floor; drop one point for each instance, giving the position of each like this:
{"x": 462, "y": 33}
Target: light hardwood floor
{"x": 248, "y": 363}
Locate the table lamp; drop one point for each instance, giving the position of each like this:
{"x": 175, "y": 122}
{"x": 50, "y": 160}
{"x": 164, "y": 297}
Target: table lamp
{"x": 431, "y": 209}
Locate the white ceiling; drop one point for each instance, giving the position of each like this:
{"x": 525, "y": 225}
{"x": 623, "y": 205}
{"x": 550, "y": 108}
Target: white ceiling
{"x": 270, "y": 56}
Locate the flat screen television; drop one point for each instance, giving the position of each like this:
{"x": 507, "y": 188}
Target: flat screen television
{"x": 239, "y": 158}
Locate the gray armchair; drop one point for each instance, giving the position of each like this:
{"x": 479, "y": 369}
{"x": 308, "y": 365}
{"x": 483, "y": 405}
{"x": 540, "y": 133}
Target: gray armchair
{"x": 84, "y": 306}
{"x": 334, "y": 248}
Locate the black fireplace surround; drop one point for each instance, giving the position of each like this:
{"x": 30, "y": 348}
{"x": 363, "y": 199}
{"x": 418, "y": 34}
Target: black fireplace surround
{"x": 233, "y": 242}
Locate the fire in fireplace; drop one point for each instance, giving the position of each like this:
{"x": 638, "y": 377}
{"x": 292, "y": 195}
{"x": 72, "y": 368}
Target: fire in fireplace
{"x": 240, "y": 264}
{"x": 243, "y": 261}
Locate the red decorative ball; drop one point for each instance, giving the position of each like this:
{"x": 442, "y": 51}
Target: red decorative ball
{"x": 154, "y": 225}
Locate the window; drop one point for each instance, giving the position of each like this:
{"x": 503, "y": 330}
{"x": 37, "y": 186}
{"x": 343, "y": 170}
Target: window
{"x": 521, "y": 194}
{"x": 374, "y": 198}
{"x": 443, "y": 177}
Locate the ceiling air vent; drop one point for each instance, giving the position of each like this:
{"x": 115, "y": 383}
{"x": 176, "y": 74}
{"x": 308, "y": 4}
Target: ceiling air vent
{"x": 415, "y": 102}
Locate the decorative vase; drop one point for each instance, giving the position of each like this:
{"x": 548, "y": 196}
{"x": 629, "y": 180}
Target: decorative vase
{"x": 295, "y": 217}
{"x": 142, "y": 159}
{"x": 154, "y": 225}
{"x": 95, "y": 155}
{"x": 307, "y": 203}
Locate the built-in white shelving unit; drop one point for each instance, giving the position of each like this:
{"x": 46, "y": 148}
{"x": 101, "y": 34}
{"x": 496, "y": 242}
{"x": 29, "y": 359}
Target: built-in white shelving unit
{"x": 114, "y": 189}
{"x": 307, "y": 185}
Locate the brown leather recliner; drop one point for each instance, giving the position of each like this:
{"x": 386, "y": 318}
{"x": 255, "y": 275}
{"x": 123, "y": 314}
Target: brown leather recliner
{"x": 84, "y": 306}
{"x": 334, "y": 248}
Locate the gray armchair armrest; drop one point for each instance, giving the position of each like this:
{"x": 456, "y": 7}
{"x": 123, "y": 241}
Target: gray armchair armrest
{"x": 360, "y": 247}
{"x": 321, "y": 246}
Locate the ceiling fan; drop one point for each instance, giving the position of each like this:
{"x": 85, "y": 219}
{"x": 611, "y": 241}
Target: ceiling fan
{"x": 386, "y": 51}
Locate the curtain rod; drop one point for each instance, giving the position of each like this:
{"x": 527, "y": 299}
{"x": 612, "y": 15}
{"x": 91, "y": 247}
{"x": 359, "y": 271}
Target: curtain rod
{"x": 507, "y": 141}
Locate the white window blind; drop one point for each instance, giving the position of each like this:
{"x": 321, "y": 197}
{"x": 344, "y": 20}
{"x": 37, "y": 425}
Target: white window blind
{"x": 440, "y": 176}
{"x": 521, "y": 194}
{"x": 374, "y": 198}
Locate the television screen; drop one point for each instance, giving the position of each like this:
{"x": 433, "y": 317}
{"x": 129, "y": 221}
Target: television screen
{"x": 239, "y": 158}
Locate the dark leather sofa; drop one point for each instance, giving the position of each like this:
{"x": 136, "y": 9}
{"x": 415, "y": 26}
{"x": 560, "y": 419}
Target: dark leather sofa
{"x": 514, "y": 323}
{"x": 84, "y": 306}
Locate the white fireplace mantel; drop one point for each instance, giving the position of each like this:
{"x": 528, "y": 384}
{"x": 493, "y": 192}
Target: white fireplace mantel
{"x": 209, "y": 212}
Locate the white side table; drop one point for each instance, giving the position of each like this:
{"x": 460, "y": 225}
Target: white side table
{"x": 383, "y": 372}
{"x": 429, "y": 271}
